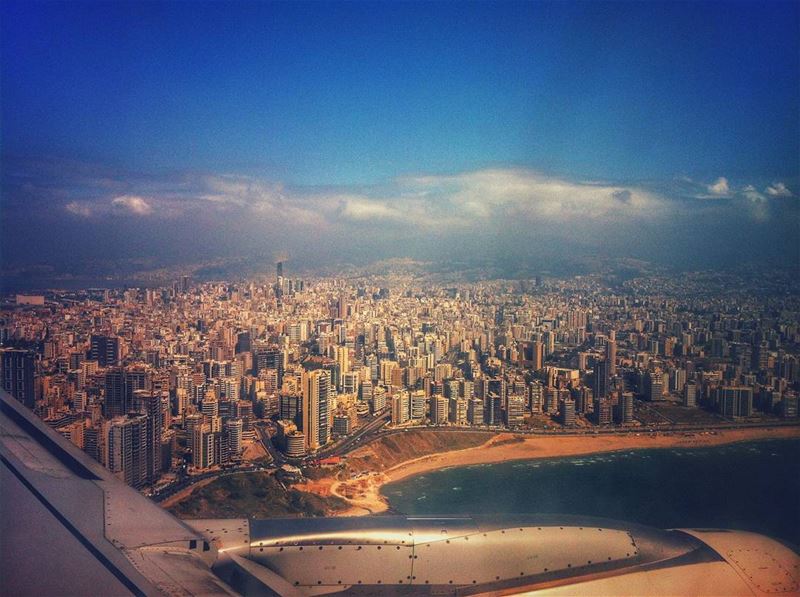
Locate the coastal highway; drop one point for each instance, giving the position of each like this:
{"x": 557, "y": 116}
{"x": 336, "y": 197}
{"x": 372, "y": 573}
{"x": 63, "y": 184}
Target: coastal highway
{"x": 187, "y": 481}
{"x": 364, "y": 433}
{"x": 610, "y": 430}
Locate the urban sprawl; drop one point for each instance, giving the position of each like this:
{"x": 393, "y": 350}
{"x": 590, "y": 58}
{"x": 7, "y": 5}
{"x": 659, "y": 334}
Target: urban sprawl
{"x": 163, "y": 384}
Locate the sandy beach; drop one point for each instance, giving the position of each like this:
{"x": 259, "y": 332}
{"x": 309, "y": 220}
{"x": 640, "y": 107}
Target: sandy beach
{"x": 365, "y": 497}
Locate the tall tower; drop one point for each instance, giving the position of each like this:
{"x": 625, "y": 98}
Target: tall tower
{"x": 148, "y": 403}
{"x": 104, "y": 350}
{"x": 203, "y": 454}
{"x": 279, "y": 280}
{"x": 16, "y": 372}
{"x": 127, "y": 453}
{"x": 316, "y": 387}
{"x": 116, "y": 402}
{"x": 611, "y": 356}
{"x": 601, "y": 379}
{"x": 537, "y": 355}
{"x": 342, "y": 362}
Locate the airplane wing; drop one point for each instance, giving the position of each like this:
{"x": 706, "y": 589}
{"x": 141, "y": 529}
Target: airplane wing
{"x": 69, "y": 527}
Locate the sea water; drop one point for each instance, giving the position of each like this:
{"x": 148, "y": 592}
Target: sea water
{"x": 751, "y": 486}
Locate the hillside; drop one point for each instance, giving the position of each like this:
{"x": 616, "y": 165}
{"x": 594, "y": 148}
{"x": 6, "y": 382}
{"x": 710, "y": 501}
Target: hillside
{"x": 385, "y": 452}
{"x": 253, "y": 495}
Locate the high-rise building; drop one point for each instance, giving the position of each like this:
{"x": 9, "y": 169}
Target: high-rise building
{"x": 279, "y": 279}
{"x": 550, "y": 403}
{"x": 295, "y": 444}
{"x": 458, "y": 411}
{"x": 210, "y": 409}
{"x": 602, "y": 411}
{"x": 531, "y": 354}
{"x": 735, "y": 401}
{"x": 148, "y": 404}
{"x": 127, "y": 449}
{"x": 400, "y": 408}
{"x": 268, "y": 358}
{"x": 233, "y": 433}
{"x": 690, "y": 394}
{"x": 104, "y": 350}
{"x": 243, "y": 409}
{"x": 475, "y": 411}
{"x": 567, "y": 412}
{"x": 583, "y": 399}
{"x": 601, "y": 379}
{"x": 654, "y": 385}
{"x": 350, "y": 382}
{"x": 365, "y": 391}
{"x": 418, "y": 405}
{"x": 17, "y": 370}
{"x": 74, "y": 432}
{"x": 203, "y": 439}
{"x": 342, "y": 364}
{"x": 290, "y": 407}
{"x": 341, "y": 307}
{"x": 316, "y": 389}
{"x": 623, "y": 410}
{"x": 378, "y": 399}
{"x": 452, "y": 389}
{"x": 515, "y": 410}
{"x": 440, "y": 410}
{"x": 789, "y": 406}
{"x": 492, "y": 409}
{"x": 387, "y": 367}
{"x": 467, "y": 389}
{"x": 95, "y": 442}
{"x": 677, "y": 380}
{"x": 611, "y": 356}
{"x": 342, "y": 425}
{"x": 243, "y": 343}
{"x": 116, "y": 396}
{"x": 536, "y": 390}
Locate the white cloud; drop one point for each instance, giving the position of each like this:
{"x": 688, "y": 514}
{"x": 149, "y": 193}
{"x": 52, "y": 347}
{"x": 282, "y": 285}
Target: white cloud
{"x": 79, "y": 208}
{"x": 362, "y": 208}
{"x": 240, "y": 190}
{"x": 720, "y": 187}
{"x": 752, "y": 194}
{"x": 511, "y": 194}
{"x": 778, "y": 189}
{"x": 133, "y": 204}
{"x": 757, "y": 203}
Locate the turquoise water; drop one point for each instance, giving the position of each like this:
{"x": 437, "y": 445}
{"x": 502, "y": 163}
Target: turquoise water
{"x": 748, "y": 486}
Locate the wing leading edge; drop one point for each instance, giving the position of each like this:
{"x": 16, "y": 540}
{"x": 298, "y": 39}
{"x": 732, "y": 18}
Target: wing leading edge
{"x": 69, "y": 527}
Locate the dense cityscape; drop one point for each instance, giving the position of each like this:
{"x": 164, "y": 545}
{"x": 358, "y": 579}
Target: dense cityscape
{"x": 166, "y": 383}
{"x": 399, "y": 298}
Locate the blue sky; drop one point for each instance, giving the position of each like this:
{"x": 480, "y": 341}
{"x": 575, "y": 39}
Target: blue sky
{"x": 113, "y": 111}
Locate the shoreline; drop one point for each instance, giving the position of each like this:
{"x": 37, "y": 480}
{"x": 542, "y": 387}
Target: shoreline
{"x": 365, "y": 497}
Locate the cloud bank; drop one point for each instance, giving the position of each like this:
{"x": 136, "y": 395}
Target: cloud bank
{"x": 510, "y": 213}
{"x": 463, "y": 201}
